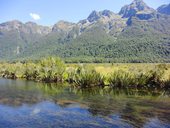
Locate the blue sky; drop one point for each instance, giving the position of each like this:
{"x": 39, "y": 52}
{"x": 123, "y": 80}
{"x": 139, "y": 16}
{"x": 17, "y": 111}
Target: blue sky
{"x": 50, "y": 11}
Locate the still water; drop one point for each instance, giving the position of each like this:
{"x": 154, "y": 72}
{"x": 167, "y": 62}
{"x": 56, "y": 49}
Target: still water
{"x": 26, "y": 104}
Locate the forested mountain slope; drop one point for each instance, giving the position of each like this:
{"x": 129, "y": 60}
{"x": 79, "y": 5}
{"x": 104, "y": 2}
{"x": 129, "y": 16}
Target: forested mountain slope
{"x": 137, "y": 34}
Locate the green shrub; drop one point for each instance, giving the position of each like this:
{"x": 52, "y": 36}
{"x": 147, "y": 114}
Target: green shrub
{"x": 51, "y": 70}
{"x": 88, "y": 77}
{"x": 149, "y": 80}
{"x": 121, "y": 79}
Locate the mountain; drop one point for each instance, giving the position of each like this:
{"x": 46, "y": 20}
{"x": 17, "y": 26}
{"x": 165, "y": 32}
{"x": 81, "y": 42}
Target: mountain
{"x": 137, "y": 6}
{"x": 106, "y": 20}
{"x": 137, "y": 33}
{"x": 164, "y": 9}
{"x": 16, "y": 36}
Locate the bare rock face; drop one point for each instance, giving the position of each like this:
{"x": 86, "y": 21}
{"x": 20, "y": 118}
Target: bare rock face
{"x": 28, "y": 28}
{"x": 137, "y": 6}
{"x": 107, "y": 13}
{"x": 34, "y": 28}
{"x": 63, "y": 26}
{"x": 11, "y": 25}
{"x": 94, "y": 16}
{"x": 107, "y": 20}
{"x": 145, "y": 16}
{"x": 164, "y": 9}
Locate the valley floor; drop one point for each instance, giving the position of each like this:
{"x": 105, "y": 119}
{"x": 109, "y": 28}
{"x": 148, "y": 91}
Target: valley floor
{"x": 116, "y": 75}
{"x": 109, "y": 68}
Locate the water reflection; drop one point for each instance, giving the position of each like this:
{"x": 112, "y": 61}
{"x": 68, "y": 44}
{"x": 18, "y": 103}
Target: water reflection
{"x": 29, "y": 104}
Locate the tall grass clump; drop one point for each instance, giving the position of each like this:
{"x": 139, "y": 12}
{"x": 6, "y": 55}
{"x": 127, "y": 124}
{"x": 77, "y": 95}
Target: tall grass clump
{"x": 47, "y": 70}
{"x": 121, "y": 79}
{"x": 31, "y": 71}
{"x": 12, "y": 71}
{"x": 87, "y": 77}
{"x": 167, "y": 84}
{"x": 51, "y": 70}
{"x": 149, "y": 80}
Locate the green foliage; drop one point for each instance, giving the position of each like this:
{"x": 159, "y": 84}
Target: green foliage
{"x": 85, "y": 76}
{"x": 88, "y": 77}
{"x": 51, "y": 69}
{"x": 121, "y": 79}
{"x": 47, "y": 70}
{"x": 149, "y": 80}
{"x": 139, "y": 42}
{"x": 31, "y": 71}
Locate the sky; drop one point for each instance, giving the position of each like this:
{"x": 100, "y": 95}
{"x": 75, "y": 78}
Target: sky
{"x": 49, "y": 12}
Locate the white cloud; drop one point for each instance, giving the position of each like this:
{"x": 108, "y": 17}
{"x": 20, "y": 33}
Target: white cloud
{"x": 35, "y": 16}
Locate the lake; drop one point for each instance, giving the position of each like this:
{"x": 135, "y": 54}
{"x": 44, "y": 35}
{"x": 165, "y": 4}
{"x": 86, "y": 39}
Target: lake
{"x": 26, "y": 104}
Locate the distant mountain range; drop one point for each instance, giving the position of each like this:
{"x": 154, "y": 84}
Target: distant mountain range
{"x": 138, "y": 33}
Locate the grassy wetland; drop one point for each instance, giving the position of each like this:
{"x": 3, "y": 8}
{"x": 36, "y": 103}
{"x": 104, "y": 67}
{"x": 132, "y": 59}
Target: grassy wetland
{"x": 155, "y": 77}
{"x": 50, "y": 93}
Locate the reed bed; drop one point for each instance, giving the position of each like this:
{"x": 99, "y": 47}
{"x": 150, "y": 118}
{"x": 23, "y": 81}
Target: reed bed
{"x": 54, "y": 70}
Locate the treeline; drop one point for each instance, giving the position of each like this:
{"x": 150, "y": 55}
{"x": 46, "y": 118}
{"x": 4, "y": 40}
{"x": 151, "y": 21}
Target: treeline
{"x": 102, "y": 48}
{"x": 136, "y": 49}
{"x": 53, "y": 70}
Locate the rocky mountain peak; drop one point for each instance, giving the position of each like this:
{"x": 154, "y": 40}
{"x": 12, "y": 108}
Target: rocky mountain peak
{"x": 31, "y": 23}
{"x": 139, "y": 3}
{"x": 107, "y": 13}
{"x": 137, "y": 6}
{"x": 63, "y": 26}
{"x": 27, "y": 28}
{"x": 13, "y": 22}
{"x": 32, "y": 27}
{"x": 10, "y": 25}
{"x": 93, "y": 16}
{"x": 165, "y": 9}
